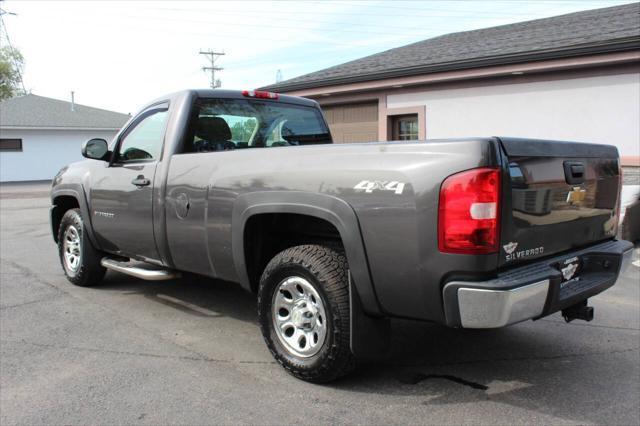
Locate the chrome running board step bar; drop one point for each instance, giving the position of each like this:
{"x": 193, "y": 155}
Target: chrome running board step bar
{"x": 141, "y": 270}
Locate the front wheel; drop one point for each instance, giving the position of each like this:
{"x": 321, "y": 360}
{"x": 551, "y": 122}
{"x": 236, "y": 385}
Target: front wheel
{"x": 303, "y": 308}
{"x": 80, "y": 260}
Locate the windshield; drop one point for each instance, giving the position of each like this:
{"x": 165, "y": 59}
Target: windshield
{"x": 225, "y": 124}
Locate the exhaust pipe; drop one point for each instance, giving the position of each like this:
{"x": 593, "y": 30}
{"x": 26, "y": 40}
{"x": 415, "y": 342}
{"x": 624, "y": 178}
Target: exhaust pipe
{"x": 578, "y": 311}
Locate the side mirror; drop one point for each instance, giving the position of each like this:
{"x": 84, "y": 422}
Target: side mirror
{"x": 96, "y": 149}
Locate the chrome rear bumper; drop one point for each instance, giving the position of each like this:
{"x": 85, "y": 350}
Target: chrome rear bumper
{"x": 481, "y": 308}
{"x": 534, "y": 290}
{"x": 627, "y": 258}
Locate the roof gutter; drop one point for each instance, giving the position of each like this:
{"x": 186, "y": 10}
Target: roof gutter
{"x": 620, "y": 45}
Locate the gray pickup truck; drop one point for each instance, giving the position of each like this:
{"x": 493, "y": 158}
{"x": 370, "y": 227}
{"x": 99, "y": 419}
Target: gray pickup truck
{"x": 337, "y": 239}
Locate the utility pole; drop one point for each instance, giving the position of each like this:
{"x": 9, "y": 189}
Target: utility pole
{"x": 212, "y": 56}
{"x": 6, "y": 34}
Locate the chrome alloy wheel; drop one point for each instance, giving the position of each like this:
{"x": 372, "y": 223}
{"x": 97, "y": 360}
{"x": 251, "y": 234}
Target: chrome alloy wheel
{"x": 299, "y": 317}
{"x": 72, "y": 249}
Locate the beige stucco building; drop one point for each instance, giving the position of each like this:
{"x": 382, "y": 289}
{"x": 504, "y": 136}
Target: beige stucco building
{"x": 570, "y": 77}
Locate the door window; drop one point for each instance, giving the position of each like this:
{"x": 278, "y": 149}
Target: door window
{"x": 144, "y": 141}
{"x": 405, "y": 128}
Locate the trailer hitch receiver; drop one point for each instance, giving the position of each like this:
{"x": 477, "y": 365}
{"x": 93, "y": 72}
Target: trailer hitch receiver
{"x": 578, "y": 311}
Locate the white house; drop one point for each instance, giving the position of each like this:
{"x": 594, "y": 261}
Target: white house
{"x": 39, "y": 135}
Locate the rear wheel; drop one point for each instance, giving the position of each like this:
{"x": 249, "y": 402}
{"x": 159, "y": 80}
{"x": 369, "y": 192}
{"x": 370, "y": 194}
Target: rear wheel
{"x": 303, "y": 307}
{"x": 80, "y": 260}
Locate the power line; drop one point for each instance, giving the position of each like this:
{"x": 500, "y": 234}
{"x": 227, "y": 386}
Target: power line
{"x": 411, "y": 12}
{"x": 341, "y": 25}
{"x": 226, "y": 36}
{"x": 212, "y": 56}
{"x": 397, "y": 5}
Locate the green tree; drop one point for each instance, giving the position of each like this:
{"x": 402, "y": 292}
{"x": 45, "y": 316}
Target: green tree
{"x": 11, "y": 64}
{"x": 241, "y": 131}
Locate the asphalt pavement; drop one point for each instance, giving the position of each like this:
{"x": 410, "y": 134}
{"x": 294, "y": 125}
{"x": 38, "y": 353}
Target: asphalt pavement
{"x": 189, "y": 351}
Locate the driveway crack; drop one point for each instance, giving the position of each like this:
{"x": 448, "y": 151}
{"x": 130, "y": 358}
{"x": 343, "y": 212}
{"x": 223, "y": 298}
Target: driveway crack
{"x": 130, "y": 353}
{"x": 18, "y": 305}
{"x": 415, "y": 378}
{"x": 517, "y": 359}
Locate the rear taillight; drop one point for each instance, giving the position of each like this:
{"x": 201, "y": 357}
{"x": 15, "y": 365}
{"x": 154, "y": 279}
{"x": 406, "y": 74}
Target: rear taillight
{"x": 259, "y": 94}
{"x": 469, "y": 212}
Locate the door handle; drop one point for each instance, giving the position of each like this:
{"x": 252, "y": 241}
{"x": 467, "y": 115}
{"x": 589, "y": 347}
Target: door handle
{"x": 141, "y": 181}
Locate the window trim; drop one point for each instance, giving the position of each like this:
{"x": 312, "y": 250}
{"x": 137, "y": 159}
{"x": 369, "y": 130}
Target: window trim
{"x": 20, "y": 146}
{"x": 153, "y": 109}
{"x": 397, "y": 119}
{"x": 388, "y": 114}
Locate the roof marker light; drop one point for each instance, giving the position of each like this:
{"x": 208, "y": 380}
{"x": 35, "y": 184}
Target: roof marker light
{"x": 261, "y": 94}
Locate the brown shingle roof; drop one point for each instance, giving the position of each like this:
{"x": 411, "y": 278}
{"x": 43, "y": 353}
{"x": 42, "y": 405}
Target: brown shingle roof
{"x": 594, "y": 31}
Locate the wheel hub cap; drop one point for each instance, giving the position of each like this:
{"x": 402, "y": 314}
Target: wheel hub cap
{"x": 304, "y": 315}
{"x": 299, "y": 317}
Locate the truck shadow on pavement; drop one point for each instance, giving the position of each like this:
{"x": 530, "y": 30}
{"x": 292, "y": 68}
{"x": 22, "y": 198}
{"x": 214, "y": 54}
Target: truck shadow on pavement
{"x": 543, "y": 366}
{"x": 192, "y": 294}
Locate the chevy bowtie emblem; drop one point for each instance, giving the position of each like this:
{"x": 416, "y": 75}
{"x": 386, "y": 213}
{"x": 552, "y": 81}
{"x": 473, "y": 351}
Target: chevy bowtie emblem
{"x": 569, "y": 270}
{"x": 510, "y": 248}
{"x": 576, "y": 195}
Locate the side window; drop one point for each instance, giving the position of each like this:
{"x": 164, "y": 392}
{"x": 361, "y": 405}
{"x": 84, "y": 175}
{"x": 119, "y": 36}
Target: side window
{"x": 144, "y": 141}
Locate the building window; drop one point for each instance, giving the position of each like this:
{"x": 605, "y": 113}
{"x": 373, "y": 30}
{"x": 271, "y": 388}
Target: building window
{"x": 8, "y": 145}
{"x": 405, "y": 127}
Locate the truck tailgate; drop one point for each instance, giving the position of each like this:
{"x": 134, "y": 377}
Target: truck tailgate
{"x": 560, "y": 195}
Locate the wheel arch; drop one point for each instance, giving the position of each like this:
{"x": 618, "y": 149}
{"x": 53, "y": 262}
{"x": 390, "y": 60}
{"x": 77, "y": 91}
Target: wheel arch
{"x": 64, "y": 200}
{"x": 329, "y": 209}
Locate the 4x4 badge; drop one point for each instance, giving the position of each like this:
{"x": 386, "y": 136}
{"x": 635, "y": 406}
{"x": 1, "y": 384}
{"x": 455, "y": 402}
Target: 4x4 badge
{"x": 510, "y": 248}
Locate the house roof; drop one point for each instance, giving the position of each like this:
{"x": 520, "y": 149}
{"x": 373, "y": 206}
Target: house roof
{"x": 594, "y": 31}
{"x": 38, "y": 112}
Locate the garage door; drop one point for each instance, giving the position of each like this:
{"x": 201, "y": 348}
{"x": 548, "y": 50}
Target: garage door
{"x": 353, "y": 122}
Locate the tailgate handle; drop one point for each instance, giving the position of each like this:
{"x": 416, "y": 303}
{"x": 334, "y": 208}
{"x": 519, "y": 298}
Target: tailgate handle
{"x": 577, "y": 171}
{"x": 574, "y": 172}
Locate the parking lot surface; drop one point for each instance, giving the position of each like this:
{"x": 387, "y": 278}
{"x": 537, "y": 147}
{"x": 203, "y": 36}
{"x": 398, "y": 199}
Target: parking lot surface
{"x": 190, "y": 352}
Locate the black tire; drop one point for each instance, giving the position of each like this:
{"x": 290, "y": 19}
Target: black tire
{"x": 327, "y": 272}
{"x": 88, "y": 271}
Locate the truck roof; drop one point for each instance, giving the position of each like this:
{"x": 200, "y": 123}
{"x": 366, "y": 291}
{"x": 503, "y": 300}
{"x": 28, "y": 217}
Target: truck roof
{"x": 237, "y": 94}
{"x": 229, "y": 94}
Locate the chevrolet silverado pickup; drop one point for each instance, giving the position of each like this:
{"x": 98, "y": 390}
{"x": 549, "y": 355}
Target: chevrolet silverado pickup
{"x": 337, "y": 239}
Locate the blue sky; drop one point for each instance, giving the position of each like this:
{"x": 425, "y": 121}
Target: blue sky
{"x": 119, "y": 55}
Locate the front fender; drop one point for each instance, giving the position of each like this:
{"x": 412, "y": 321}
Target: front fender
{"x": 326, "y": 207}
{"x": 76, "y": 191}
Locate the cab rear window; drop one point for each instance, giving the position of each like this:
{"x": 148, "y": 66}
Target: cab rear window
{"x": 228, "y": 124}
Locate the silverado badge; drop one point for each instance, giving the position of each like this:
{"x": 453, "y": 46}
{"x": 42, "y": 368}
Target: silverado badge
{"x": 512, "y": 254}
